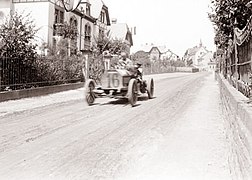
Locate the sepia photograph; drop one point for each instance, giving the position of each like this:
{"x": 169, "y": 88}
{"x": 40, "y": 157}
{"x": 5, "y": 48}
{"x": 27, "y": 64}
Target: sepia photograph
{"x": 125, "y": 90}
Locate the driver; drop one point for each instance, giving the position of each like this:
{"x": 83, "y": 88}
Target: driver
{"x": 124, "y": 62}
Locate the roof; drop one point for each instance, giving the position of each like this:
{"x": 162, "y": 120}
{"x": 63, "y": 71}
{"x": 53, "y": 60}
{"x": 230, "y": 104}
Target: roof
{"x": 192, "y": 51}
{"x": 146, "y": 47}
{"x": 120, "y": 31}
{"x": 162, "y": 49}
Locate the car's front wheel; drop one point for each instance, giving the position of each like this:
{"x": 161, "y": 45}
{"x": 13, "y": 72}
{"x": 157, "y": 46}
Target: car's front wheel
{"x": 132, "y": 92}
{"x": 150, "y": 88}
{"x": 89, "y": 92}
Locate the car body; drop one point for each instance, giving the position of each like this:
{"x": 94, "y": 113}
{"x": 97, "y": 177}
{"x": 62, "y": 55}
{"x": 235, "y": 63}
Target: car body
{"x": 119, "y": 83}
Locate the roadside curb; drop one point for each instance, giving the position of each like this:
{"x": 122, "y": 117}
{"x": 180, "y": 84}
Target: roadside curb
{"x": 41, "y": 91}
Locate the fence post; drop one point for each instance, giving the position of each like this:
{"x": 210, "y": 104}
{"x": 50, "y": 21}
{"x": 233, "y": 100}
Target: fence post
{"x": 0, "y": 77}
{"x": 236, "y": 61}
{"x": 1, "y": 67}
{"x": 87, "y": 66}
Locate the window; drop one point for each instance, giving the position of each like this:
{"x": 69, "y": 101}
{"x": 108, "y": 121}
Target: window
{"x": 87, "y": 32}
{"x": 88, "y": 10}
{"x": 58, "y": 22}
{"x": 59, "y": 16}
{"x": 74, "y": 27}
{"x": 102, "y": 17}
{"x": 101, "y": 33}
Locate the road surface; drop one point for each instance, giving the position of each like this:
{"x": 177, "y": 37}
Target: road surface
{"x": 180, "y": 134}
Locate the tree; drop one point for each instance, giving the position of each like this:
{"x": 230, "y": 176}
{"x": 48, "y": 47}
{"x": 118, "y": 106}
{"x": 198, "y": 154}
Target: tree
{"x": 114, "y": 46}
{"x": 117, "y": 46}
{"x": 142, "y": 57}
{"x": 69, "y": 33}
{"x": 18, "y": 50}
{"x": 17, "y": 35}
{"x": 225, "y": 16}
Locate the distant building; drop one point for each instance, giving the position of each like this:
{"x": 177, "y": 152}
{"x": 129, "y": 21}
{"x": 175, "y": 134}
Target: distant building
{"x": 159, "y": 52}
{"x": 167, "y": 54}
{"x": 199, "y": 57}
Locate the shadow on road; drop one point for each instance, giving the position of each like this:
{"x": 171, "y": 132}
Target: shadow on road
{"x": 117, "y": 102}
{"x": 125, "y": 101}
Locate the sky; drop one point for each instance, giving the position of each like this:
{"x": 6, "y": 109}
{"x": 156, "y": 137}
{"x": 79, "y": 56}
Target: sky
{"x": 177, "y": 24}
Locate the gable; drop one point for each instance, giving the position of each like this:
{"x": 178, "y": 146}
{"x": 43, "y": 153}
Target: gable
{"x": 121, "y": 32}
{"x": 154, "y": 50}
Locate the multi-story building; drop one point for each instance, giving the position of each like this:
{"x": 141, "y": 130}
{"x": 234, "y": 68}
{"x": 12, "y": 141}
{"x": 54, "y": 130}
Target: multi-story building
{"x": 199, "y": 57}
{"x": 90, "y": 20}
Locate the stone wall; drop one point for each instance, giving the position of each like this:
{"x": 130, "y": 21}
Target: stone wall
{"x": 237, "y": 112}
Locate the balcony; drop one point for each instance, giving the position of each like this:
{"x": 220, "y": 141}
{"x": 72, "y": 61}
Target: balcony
{"x": 87, "y": 44}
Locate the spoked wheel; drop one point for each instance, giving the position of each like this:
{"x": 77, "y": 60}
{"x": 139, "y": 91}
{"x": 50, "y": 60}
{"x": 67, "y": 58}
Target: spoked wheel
{"x": 150, "y": 88}
{"x": 132, "y": 92}
{"x": 90, "y": 95}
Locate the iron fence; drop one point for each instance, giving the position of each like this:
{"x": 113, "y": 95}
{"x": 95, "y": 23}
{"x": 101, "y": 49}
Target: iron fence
{"x": 15, "y": 74}
{"x": 237, "y": 64}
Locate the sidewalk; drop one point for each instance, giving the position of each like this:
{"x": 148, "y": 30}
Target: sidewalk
{"x": 13, "y": 106}
{"x": 197, "y": 148}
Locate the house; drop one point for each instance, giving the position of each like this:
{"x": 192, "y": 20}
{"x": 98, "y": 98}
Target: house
{"x": 120, "y": 31}
{"x": 167, "y": 54}
{"x": 199, "y": 57}
{"x": 159, "y": 52}
{"x": 152, "y": 51}
{"x": 90, "y": 20}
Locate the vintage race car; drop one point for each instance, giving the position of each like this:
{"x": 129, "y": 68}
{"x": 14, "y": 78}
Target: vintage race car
{"x": 119, "y": 83}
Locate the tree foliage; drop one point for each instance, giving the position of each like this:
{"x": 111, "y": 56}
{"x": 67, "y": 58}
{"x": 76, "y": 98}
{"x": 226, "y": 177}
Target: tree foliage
{"x": 18, "y": 51}
{"x": 114, "y": 46}
{"x": 66, "y": 30}
{"x": 225, "y": 16}
{"x": 55, "y": 69}
{"x": 17, "y": 35}
{"x": 117, "y": 46}
{"x": 142, "y": 57}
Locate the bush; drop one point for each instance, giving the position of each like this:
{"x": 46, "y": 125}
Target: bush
{"x": 56, "y": 70}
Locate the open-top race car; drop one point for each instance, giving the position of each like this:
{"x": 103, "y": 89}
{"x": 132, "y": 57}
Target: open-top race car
{"x": 119, "y": 83}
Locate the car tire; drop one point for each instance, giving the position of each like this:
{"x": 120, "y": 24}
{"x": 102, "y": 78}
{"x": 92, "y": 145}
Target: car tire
{"x": 132, "y": 92}
{"x": 150, "y": 88}
{"x": 89, "y": 94}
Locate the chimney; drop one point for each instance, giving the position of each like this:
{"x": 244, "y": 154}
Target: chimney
{"x": 114, "y": 21}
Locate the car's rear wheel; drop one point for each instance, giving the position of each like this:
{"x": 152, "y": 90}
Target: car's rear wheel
{"x": 150, "y": 88}
{"x": 89, "y": 92}
{"x": 132, "y": 92}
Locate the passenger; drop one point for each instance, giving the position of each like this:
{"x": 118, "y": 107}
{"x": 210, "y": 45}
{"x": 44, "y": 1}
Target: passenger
{"x": 126, "y": 63}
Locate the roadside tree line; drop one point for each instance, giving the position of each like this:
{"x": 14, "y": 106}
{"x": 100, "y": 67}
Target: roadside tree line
{"x": 232, "y": 20}
{"x": 22, "y": 67}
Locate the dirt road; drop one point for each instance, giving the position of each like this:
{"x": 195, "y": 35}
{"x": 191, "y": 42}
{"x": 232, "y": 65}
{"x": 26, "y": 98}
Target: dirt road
{"x": 112, "y": 140}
